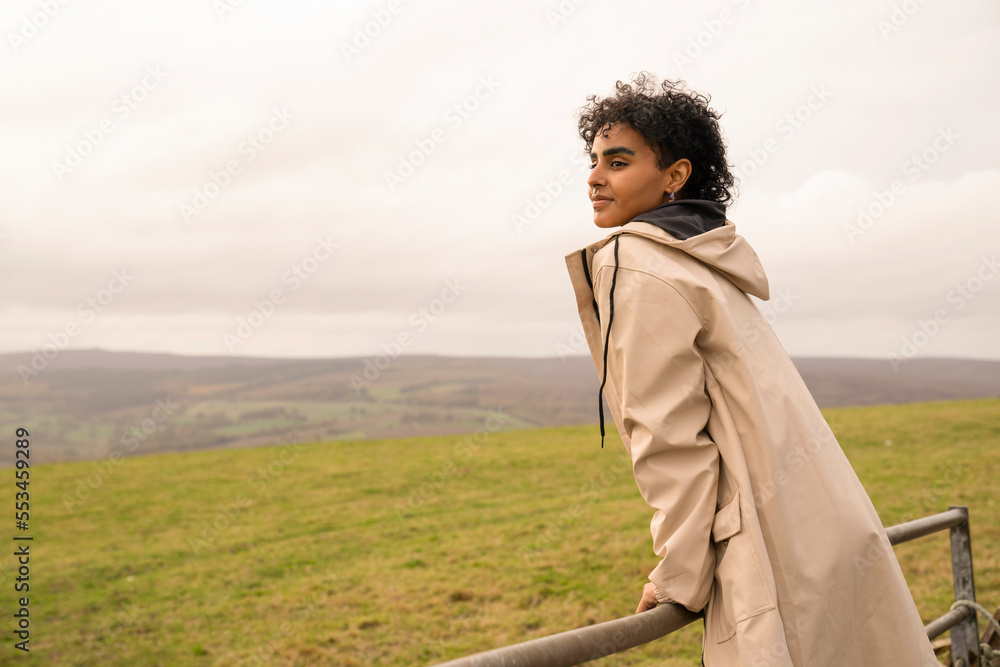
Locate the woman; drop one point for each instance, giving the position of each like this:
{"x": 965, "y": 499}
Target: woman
{"x": 759, "y": 519}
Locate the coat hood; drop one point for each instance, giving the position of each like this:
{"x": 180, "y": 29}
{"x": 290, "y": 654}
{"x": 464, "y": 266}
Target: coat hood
{"x": 698, "y": 227}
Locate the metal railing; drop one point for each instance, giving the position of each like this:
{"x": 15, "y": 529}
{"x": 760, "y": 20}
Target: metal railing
{"x": 600, "y": 640}
{"x": 961, "y": 621}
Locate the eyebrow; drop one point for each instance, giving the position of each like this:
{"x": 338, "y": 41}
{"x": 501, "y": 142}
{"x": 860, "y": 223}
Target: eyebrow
{"x": 615, "y": 150}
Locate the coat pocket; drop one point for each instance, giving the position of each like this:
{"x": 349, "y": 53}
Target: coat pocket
{"x": 741, "y": 589}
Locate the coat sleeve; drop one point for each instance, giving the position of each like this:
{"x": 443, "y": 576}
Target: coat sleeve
{"x": 656, "y": 373}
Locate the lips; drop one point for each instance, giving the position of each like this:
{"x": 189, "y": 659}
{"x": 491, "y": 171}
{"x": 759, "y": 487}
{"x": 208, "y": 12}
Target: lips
{"x": 601, "y": 202}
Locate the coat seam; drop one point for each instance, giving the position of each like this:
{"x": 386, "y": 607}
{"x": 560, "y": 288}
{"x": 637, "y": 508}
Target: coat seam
{"x": 669, "y": 284}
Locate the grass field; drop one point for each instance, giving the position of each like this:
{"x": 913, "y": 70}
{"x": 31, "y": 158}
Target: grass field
{"x": 412, "y": 551}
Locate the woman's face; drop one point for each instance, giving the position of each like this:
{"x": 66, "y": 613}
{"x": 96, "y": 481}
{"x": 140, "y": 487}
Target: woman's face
{"x": 626, "y": 176}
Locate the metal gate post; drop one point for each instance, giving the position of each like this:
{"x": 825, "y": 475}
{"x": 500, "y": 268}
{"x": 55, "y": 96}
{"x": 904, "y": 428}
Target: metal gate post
{"x": 965, "y": 635}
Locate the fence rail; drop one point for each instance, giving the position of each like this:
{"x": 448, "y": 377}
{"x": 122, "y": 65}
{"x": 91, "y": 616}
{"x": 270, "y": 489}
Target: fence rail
{"x": 600, "y": 640}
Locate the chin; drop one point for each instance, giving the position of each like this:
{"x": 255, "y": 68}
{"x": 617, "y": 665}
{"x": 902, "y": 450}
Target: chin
{"x": 605, "y": 223}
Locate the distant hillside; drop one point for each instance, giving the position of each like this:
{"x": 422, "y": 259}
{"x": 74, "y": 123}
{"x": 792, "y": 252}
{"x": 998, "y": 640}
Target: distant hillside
{"x": 89, "y": 404}
{"x": 847, "y": 382}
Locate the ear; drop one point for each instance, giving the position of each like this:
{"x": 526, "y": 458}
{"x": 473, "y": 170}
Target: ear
{"x": 676, "y": 175}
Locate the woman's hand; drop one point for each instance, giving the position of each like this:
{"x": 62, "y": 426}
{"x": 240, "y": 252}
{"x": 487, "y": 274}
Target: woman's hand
{"x": 648, "y": 600}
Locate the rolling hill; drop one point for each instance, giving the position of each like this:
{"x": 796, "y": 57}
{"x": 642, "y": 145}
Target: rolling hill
{"x": 93, "y": 404}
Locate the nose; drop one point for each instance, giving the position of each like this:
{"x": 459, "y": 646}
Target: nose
{"x": 596, "y": 177}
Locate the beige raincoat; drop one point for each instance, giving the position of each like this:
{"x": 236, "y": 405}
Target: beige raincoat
{"x": 759, "y": 518}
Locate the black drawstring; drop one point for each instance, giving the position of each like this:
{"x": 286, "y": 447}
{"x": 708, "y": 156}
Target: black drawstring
{"x": 590, "y": 283}
{"x": 607, "y": 337}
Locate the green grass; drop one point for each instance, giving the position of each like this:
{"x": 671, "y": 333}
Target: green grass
{"x": 413, "y": 551}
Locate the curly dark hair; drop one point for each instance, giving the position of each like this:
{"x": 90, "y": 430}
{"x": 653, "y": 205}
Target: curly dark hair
{"x": 675, "y": 123}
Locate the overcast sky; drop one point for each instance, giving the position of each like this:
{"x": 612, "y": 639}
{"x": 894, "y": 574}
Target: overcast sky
{"x": 323, "y": 179}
